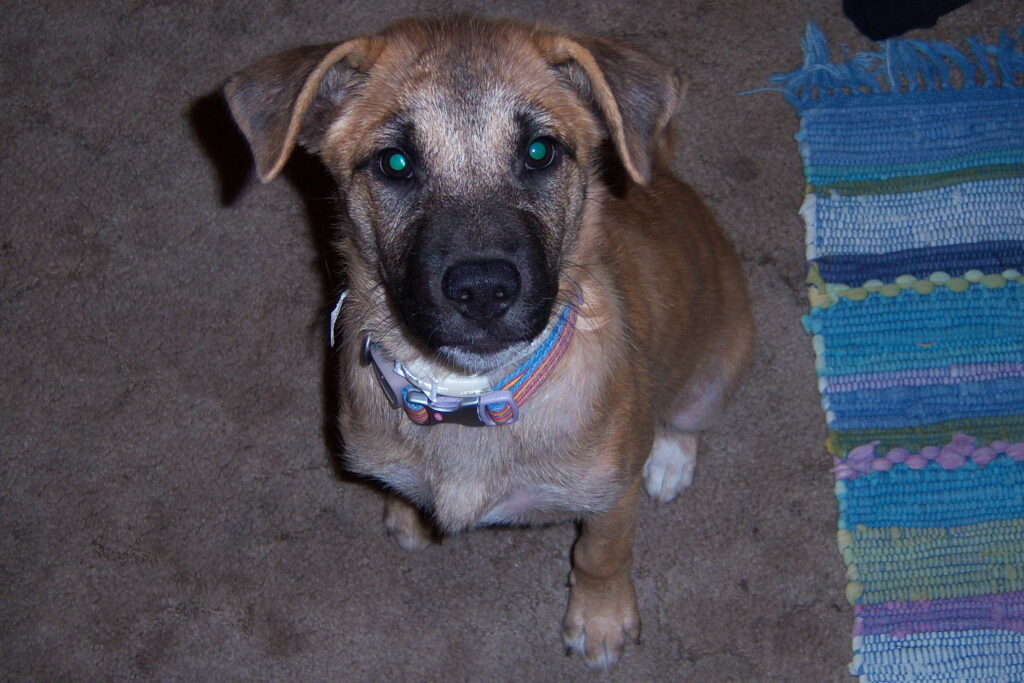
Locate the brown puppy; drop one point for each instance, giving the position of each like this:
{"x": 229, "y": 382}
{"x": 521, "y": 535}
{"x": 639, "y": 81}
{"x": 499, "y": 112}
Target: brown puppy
{"x": 539, "y": 316}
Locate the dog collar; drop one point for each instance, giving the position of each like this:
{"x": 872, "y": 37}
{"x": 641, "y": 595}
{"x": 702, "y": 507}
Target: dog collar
{"x": 473, "y": 400}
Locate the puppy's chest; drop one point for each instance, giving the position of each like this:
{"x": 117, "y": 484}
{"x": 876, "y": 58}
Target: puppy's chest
{"x": 479, "y": 476}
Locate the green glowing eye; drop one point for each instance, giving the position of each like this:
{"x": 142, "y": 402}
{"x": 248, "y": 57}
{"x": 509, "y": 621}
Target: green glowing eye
{"x": 395, "y": 164}
{"x": 540, "y": 153}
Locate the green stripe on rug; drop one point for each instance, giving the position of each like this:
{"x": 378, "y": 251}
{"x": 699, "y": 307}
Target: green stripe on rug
{"x": 934, "y": 563}
{"x": 984, "y": 429}
{"x": 920, "y": 183}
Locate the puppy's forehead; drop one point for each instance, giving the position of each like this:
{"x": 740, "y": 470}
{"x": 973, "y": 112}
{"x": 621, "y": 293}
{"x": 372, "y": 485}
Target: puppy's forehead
{"x": 464, "y": 122}
{"x": 465, "y": 97}
{"x": 470, "y": 90}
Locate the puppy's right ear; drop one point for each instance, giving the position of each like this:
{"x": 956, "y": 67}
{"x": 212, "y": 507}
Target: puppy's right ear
{"x": 290, "y": 98}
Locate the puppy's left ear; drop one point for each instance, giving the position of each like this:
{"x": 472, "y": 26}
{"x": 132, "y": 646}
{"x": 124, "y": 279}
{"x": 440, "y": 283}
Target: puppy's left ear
{"x": 634, "y": 95}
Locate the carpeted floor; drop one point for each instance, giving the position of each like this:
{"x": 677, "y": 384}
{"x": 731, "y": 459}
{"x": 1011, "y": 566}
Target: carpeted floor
{"x": 169, "y": 504}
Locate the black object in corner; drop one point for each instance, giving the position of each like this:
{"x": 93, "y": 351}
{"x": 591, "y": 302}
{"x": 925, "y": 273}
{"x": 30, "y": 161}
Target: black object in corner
{"x": 881, "y": 19}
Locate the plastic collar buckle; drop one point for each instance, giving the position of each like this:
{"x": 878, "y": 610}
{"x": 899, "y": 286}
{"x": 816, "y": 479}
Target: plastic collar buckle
{"x": 469, "y": 411}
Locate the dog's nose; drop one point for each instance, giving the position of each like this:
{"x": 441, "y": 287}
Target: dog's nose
{"x": 481, "y": 290}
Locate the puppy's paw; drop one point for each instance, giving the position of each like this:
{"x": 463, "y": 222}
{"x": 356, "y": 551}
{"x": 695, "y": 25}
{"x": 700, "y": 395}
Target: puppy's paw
{"x": 599, "y": 623}
{"x": 669, "y": 467}
{"x": 406, "y": 525}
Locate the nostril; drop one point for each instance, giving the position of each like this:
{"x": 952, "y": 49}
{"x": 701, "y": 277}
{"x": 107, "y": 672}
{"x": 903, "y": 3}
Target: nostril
{"x": 481, "y": 289}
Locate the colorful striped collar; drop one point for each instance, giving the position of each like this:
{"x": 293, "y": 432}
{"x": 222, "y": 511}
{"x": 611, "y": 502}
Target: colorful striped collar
{"x": 481, "y": 402}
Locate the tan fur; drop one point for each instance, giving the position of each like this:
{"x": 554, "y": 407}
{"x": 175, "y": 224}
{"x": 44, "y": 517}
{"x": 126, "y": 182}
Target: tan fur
{"x": 664, "y": 328}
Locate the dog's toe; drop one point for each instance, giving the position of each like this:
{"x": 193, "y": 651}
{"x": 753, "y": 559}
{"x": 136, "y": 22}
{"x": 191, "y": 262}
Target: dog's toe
{"x": 599, "y": 629}
{"x": 669, "y": 468}
{"x": 601, "y": 648}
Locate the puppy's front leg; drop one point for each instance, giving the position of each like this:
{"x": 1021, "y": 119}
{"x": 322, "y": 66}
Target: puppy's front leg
{"x": 602, "y": 602}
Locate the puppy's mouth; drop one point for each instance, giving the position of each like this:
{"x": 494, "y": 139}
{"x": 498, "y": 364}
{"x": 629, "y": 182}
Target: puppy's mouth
{"x": 484, "y": 356}
{"x": 483, "y": 347}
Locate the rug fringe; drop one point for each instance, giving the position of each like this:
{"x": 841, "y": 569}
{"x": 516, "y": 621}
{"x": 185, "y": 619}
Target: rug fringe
{"x": 902, "y": 65}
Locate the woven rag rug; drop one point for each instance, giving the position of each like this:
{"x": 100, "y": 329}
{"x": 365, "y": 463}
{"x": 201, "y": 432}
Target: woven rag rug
{"x": 914, "y": 161}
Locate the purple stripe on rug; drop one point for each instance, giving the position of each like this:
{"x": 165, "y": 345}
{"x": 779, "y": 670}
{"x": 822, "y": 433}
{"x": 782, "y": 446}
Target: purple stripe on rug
{"x": 919, "y": 377}
{"x": 897, "y": 619}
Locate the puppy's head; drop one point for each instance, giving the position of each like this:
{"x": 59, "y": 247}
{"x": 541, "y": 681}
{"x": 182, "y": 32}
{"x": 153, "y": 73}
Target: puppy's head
{"x": 466, "y": 152}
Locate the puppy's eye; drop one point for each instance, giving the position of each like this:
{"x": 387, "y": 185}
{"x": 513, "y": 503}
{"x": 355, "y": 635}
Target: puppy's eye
{"x": 395, "y": 164}
{"x": 540, "y": 153}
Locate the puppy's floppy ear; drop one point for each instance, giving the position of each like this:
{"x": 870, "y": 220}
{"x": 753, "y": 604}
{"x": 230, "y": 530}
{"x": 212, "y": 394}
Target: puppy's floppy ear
{"x": 634, "y": 95}
{"x": 289, "y": 98}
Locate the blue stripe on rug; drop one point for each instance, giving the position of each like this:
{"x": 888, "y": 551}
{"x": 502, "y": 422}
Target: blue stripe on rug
{"x": 912, "y": 330}
{"x": 933, "y": 496}
{"x": 902, "y": 137}
{"x": 895, "y": 407}
{"x": 988, "y": 257}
